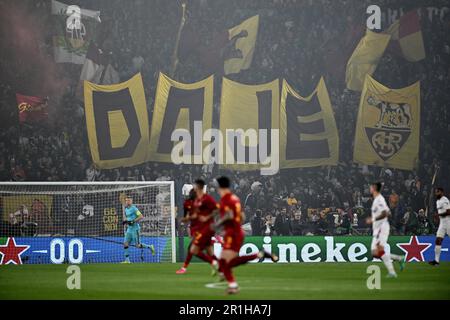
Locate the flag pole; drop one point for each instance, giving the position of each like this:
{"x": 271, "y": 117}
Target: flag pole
{"x": 430, "y": 198}
{"x": 175, "y": 51}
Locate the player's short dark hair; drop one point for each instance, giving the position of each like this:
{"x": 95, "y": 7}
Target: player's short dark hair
{"x": 223, "y": 182}
{"x": 200, "y": 182}
{"x": 439, "y": 189}
{"x": 378, "y": 185}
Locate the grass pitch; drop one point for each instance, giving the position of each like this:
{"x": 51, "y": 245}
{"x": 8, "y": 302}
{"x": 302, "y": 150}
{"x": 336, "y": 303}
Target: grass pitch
{"x": 257, "y": 281}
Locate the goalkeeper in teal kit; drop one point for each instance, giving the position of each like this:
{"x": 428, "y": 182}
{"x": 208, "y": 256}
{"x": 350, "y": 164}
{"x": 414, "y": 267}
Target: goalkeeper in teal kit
{"x": 132, "y": 218}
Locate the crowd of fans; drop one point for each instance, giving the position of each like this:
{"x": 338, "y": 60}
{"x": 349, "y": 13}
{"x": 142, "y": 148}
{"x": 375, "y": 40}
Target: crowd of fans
{"x": 293, "y": 43}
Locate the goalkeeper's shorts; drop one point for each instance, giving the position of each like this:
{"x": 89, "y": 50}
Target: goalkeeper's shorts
{"x": 132, "y": 236}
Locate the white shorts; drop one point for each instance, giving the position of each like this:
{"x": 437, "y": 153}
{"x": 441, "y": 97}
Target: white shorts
{"x": 380, "y": 236}
{"x": 444, "y": 227}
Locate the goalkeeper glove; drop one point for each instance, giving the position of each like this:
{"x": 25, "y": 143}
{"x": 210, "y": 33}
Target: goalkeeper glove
{"x": 130, "y": 223}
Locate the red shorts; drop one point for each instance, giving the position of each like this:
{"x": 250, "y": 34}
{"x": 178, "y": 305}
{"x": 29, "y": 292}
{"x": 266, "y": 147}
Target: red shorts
{"x": 233, "y": 240}
{"x": 202, "y": 238}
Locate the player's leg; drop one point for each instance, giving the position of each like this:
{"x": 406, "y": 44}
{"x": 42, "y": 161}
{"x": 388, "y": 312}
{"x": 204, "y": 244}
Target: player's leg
{"x": 215, "y": 262}
{"x": 142, "y": 245}
{"x": 438, "y": 243}
{"x": 247, "y": 258}
{"x": 437, "y": 251}
{"x": 200, "y": 242}
{"x": 384, "y": 256}
{"x": 226, "y": 256}
{"x": 126, "y": 243}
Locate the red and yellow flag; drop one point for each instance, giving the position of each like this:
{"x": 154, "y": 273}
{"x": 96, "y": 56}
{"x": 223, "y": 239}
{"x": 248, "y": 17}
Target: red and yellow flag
{"x": 406, "y": 37}
{"x": 31, "y": 109}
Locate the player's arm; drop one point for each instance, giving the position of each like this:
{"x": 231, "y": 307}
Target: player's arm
{"x": 138, "y": 218}
{"x": 446, "y": 207}
{"x": 209, "y": 217}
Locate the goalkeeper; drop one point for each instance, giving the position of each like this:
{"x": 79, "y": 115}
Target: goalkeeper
{"x": 132, "y": 218}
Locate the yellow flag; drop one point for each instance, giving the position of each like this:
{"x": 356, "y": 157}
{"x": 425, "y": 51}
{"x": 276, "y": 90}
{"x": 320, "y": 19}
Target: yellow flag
{"x": 179, "y": 106}
{"x": 364, "y": 59}
{"x": 308, "y": 132}
{"x": 117, "y": 123}
{"x": 243, "y": 40}
{"x": 250, "y": 108}
{"x": 388, "y": 126}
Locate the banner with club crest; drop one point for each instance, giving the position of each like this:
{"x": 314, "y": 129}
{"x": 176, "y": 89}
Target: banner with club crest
{"x": 388, "y": 126}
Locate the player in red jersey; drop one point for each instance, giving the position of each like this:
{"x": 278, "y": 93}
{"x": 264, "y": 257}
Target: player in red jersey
{"x": 231, "y": 218}
{"x": 190, "y": 216}
{"x": 204, "y": 207}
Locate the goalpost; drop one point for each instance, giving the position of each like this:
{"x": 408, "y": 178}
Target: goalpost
{"x": 81, "y": 222}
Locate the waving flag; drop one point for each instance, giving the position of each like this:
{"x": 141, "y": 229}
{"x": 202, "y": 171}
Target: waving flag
{"x": 406, "y": 37}
{"x": 364, "y": 59}
{"x": 71, "y": 42}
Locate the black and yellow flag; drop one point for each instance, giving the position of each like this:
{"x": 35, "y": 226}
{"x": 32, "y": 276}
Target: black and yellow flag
{"x": 243, "y": 108}
{"x": 117, "y": 123}
{"x": 242, "y": 41}
{"x": 308, "y": 133}
{"x": 388, "y": 126}
{"x": 180, "y": 106}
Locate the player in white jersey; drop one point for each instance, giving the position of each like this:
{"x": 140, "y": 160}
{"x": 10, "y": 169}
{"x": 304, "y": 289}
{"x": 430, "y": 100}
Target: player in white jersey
{"x": 381, "y": 228}
{"x": 443, "y": 209}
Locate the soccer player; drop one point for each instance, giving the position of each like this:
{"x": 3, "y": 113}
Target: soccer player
{"x": 189, "y": 215}
{"x": 381, "y": 228}
{"x": 443, "y": 209}
{"x": 204, "y": 207}
{"x": 132, "y": 218}
{"x": 231, "y": 217}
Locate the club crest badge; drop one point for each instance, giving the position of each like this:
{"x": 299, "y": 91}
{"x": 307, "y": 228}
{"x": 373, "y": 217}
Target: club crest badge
{"x": 393, "y": 128}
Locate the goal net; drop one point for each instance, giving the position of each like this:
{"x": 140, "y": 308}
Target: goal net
{"x": 81, "y": 222}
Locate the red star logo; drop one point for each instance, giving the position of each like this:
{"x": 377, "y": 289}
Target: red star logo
{"x": 11, "y": 252}
{"x": 414, "y": 249}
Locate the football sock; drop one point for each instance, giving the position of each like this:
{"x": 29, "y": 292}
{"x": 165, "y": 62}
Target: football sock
{"x": 204, "y": 257}
{"x": 242, "y": 260}
{"x": 126, "y": 252}
{"x": 437, "y": 252}
{"x": 388, "y": 263}
{"x": 227, "y": 271}
{"x": 187, "y": 260}
{"x": 396, "y": 257}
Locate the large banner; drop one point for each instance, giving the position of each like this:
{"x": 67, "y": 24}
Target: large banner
{"x": 338, "y": 248}
{"x": 74, "y": 250}
{"x": 388, "y": 126}
{"x": 180, "y": 106}
{"x": 245, "y": 110}
{"x": 308, "y": 132}
{"x": 117, "y": 123}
